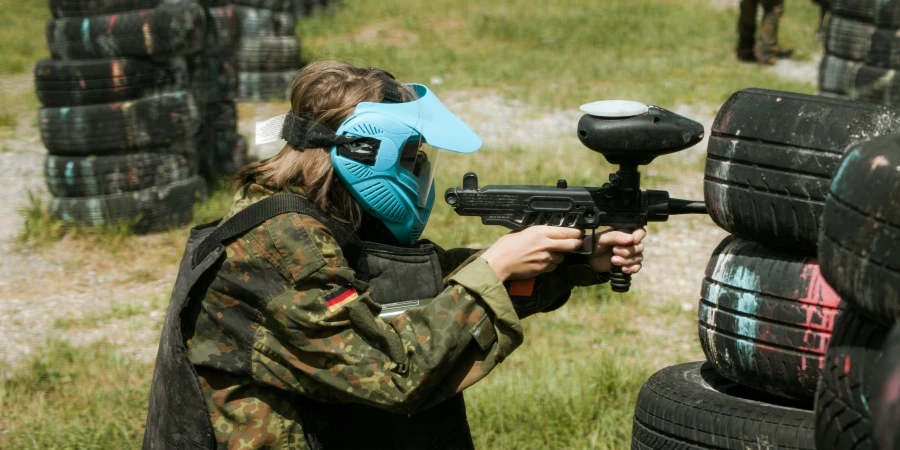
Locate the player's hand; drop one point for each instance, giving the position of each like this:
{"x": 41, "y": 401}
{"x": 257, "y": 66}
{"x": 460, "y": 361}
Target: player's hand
{"x": 618, "y": 248}
{"x": 532, "y": 251}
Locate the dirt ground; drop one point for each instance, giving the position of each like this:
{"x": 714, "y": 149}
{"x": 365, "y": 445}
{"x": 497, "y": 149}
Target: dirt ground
{"x": 52, "y": 292}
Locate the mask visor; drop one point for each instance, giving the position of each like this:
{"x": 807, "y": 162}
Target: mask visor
{"x": 418, "y": 160}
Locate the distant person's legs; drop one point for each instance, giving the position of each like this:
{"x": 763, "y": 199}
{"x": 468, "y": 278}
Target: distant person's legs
{"x": 746, "y": 30}
{"x": 766, "y": 48}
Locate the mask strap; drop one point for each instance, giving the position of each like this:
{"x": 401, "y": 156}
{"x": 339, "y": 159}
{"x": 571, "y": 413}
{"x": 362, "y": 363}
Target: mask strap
{"x": 389, "y": 91}
{"x": 302, "y": 132}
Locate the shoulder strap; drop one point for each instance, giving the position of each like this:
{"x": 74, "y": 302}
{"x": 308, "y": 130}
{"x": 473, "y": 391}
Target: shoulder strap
{"x": 265, "y": 209}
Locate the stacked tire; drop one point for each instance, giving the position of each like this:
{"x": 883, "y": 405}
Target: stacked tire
{"x": 269, "y": 51}
{"x": 214, "y": 82}
{"x": 858, "y": 397}
{"x": 862, "y": 51}
{"x": 117, "y": 115}
{"x": 768, "y": 319}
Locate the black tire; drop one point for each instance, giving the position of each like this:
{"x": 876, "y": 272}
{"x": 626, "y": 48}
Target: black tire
{"x": 848, "y": 38}
{"x": 885, "y": 50}
{"x": 766, "y": 317}
{"x": 886, "y": 396}
{"x": 92, "y": 81}
{"x": 150, "y": 210}
{"x": 93, "y": 176}
{"x": 274, "y": 5}
{"x": 81, "y": 8}
{"x": 221, "y": 117}
{"x": 173, "y": 30}
{"x": 887, "y": 14}
{"x": 265, "y": 86}
{"x": 223, "y": 31}
{"x": 843, "y": 420}
{"x": 257, "y": 22}
{"x": 771, "y": 157}
{"x": 873, "y": 84}
{"x": 214, "y": 79}
{"x": 838, "y": 76}
{"x": 690, "y": 406}
{"x": 269, "y": 54}
{"x": 153, "y": 121}
{"x": 858, "y": 9}
{"x": 854, "y": 80}
{"x": 860, "y": 242}
{"x": 224, "y": 154}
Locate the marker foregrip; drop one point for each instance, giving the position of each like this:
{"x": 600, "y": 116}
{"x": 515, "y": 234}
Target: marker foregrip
{"x": 619, "y": 281}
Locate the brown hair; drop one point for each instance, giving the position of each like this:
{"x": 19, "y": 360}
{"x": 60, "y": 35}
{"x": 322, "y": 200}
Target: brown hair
{"x": 330, "y": 91}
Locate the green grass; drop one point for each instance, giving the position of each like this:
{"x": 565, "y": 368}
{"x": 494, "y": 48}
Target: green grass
{"x": 41, "y": 229}
{"x": 117, "y": 312}
{"x": 558, "y": 54}
{"x": 553, "y": 54}
{"x": 74, "y": 398}
{"x": 22, "y": 35}
{"x": 572, "y": 385}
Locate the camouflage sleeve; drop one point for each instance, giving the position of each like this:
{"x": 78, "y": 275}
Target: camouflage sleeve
{"x": 551, "y": 288}
{"x": 322, "y": 337}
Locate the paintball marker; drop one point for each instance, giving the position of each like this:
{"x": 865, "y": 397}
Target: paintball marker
{"x": 626, "y": 133}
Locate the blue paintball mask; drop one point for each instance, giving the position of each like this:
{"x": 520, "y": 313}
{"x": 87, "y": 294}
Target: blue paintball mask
{"x": 391, "y": 176}
{"x": 386, "y": 155}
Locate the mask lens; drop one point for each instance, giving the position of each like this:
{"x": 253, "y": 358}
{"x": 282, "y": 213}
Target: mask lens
{"x": 420, "y": 159}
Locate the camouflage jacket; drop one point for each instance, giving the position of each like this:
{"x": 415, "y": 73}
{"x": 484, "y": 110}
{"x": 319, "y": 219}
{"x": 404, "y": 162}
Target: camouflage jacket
{"x": 276, "y": 323}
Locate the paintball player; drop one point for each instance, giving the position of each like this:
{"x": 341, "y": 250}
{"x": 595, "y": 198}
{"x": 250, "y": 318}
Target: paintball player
{"x": 283, "y": 343}
{"x": 762, "y": 47}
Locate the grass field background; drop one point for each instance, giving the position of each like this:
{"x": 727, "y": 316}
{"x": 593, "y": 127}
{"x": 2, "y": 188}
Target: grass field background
{"x": 574, "y": 382}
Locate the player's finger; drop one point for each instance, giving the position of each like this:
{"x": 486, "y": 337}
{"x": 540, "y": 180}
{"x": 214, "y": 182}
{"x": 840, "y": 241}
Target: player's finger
{"x": 564, "y": 245}
{"x": 639, "y": 235}
{"x": 557, "y": 257}
{"x": 610, "y": 238}
{"x": 629, "y": 250}
{"x": 620, "y": 261}
{"x": 559, "y": 232}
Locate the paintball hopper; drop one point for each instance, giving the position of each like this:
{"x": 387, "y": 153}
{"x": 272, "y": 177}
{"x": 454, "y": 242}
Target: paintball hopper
{"x": 632, "y": 133}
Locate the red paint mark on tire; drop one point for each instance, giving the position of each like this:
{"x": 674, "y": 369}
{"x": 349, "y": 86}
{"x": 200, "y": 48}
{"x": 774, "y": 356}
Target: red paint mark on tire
{"x": 112, "y": 22}
{"x": 818, "y": 291}
{"x": 891, "y": 391}
{"x": 819, "y": 302}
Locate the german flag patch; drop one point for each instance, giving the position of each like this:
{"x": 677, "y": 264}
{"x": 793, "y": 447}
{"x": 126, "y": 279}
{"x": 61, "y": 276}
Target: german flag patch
{"x": 340, "y": 297}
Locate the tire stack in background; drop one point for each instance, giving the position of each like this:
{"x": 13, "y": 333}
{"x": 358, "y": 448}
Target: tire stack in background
{"x": 268, "y": 55}
{"x": 117, "y": 117}
{"x": 862, "y": 51}
{"x": 214, "y": 81}
{"x": 768, "y": 320}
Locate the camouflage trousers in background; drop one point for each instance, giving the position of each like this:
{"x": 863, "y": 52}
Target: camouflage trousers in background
{"x": 762, "y": 46}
